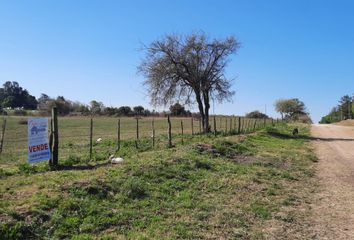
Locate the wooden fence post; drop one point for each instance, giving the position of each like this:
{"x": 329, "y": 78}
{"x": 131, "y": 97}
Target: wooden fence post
{"x": 230, "y": 125}
{"x": 182, "y": 130}
{"x": 220, "y": 123}
{"x": 137, "y": 132}
{"x": 200, "y": 125}
{"x": 243, "y": 125}
{"x": 169, "y": 134}
{"x": 239, "y": 125}
{"x": 51, "y": 142}
{"x": 153, "y": 132}
{"x": 247, "y": 125}
{"x": 55, "y": 146}
{"x": 265, "y": 122}
{"x": 91, "y": 136}
{"x": 2, "y": 134}
{"x": 192, "y": 126}
{"x": 226, "y": 125}
{"x": 215, "y": 132}
{"x": 118, "y": 135}
{"x": 255, "y": 124}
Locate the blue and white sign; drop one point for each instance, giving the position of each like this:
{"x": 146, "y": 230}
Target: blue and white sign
{"x": 38, "y": 145}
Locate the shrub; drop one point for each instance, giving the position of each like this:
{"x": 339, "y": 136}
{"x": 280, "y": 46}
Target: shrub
{"x": 135, "y": 188}
{"x": 256, "y": 114}
{"x": 202, "y": 165}
{"x": 19, "y": 230}
{"x": 22, "y": 121}
{"x": 72, "y": 160}
{"x": 305, "y": 119}
{"x": 27, "y": 168}
{"x": 20, "y": 112}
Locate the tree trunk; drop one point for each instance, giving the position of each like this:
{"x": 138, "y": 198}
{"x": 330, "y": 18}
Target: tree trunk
{"x": 206, "y": 128}
{"x": 203, "y": 109}
{"x": 200, "y": 107}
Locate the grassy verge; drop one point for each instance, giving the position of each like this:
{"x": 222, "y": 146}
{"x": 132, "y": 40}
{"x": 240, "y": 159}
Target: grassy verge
{"x": 248, "y": 187}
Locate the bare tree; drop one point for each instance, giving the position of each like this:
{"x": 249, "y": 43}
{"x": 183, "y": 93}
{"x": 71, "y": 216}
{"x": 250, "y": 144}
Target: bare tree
{"x": 188, "y": 68}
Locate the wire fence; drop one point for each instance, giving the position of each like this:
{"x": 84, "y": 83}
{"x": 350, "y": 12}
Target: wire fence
{"x": 81, "y": 137}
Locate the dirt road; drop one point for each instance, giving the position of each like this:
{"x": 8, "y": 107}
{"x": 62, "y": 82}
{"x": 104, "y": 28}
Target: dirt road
{"x": 333, "y": 207}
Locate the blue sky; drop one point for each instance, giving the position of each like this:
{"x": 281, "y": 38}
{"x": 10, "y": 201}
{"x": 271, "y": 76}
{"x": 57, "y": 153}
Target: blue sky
{"x": 88, "y": 50}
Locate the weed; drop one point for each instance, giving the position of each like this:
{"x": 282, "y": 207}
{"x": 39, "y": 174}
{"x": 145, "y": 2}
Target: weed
{"x": 260, "y": 210}
{"x": 18, "y": 230}
{"x": 22, "y": 121}
{"x": 203, "y": 165}
{"x": 5, "y": 173}
{"x": 72, "y": 160}
{"x": 135, "y": 188}
{"x": 27, "y": 168}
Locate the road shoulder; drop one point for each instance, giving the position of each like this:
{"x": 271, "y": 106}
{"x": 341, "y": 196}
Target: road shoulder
{"x": 333, "y": 203}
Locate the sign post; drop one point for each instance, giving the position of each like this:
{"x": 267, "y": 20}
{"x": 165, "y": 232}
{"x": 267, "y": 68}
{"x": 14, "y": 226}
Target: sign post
{"x": 38, "y": 145}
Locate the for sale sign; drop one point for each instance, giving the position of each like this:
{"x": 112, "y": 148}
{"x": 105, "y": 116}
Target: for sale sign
{"x": 38, "y": 146}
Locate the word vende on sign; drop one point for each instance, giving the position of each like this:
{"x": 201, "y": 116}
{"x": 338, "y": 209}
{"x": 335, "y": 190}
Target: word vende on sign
{"x": 38, "y": 145}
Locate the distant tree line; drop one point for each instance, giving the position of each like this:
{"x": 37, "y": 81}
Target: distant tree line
{"x": 15, "y": 98}
{"x": 343, "y": 111}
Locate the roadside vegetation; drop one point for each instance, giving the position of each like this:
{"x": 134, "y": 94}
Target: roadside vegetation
{"x": 343, "y": 111}
{"x": 248, "y": 186}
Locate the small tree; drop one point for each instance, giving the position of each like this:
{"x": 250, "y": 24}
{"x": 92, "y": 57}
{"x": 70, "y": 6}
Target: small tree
{"x": 124, "y": 111}
{"x": 110, "y": 111}
{"x": 96, "y": 107}
{"x": 138, "y": 110}
{"x": 256, "y": 114}
{"x": 62, "y": 105}
{"x": 305, "y": 118}
{"x": 44, "y": 102}
{"x": 189, "y": 69}
{"x": 84, "y": 110}
{"x": 177, "y": 110}
{"x": 290, "y": 109}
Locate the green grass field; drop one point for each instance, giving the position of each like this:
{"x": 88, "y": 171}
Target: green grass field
{"x": 254, "y": 186}
{"x": 74, "y": 135}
